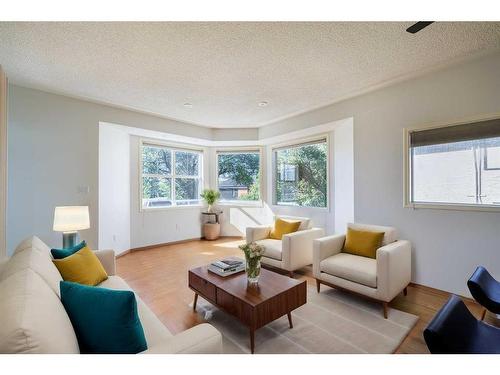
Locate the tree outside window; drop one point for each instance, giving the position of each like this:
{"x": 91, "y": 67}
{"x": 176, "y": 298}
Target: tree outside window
{"x": 238, "y": 175}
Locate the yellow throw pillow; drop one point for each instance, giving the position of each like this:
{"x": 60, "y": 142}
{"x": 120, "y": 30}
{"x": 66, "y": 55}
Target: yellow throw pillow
{"x": 282, "y": 227}
{"x": 82, "y": 267}
{"x": 363, "y": 243}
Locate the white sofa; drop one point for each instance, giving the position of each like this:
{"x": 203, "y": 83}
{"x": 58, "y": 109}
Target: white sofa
{"x": 293, "y": 251}
{"x": 33, "y": 319}
{"x": 380, "y": 279}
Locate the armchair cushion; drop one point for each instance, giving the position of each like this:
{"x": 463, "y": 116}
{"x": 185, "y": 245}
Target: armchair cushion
{"x": 358, "y": 269}
{"x": 305, "y": 222}
{"x": 282, "y": 227}
{"x": 272, "y": 248}
{"x": 362, "y": 243}
{"x": 390, "y": 234}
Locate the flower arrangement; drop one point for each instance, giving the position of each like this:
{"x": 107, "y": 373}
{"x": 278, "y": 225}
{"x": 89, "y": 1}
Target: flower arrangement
{"x": 253, "y": 254}
{"x": 210, "y": 196}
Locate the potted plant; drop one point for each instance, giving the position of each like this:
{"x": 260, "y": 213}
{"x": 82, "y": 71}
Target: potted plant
{"x": 210, "y": 196}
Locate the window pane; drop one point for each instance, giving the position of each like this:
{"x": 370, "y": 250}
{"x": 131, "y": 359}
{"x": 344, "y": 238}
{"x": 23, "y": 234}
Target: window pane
{"x": 238, "y": 176}
{"x": 156, "y": 192}
{"x": 301, "y": 175}
{"x": 156, "y": 160}
{"x": 187, "y": 191}
{"x": 187, "y": 163}
{"x": 458, "y": 172}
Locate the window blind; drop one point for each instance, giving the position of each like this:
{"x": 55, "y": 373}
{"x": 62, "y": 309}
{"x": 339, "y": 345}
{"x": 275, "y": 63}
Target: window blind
{"x": 456, "y": 133}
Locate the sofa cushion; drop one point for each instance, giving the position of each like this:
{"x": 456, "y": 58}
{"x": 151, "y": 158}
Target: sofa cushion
{"x": 154, "y": 330}
{"x": 390, "y": 233}
{"x": 354, "y": 268}
{"x": 272, "y": 248}
{"x": 82, "y": 267}
{"x": 33, "y": 318}
{"x": 36, "y": 258}
{"x": 64, "y": 253}
{"x": 105, "y": 320}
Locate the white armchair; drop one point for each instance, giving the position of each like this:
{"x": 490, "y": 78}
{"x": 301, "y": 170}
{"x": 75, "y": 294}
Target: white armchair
{"x": 293, "y": 251}
{"x": 380, "y": 279}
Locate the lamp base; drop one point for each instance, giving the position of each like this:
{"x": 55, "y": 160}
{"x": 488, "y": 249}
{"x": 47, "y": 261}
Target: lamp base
{"x": 70, "y": 239}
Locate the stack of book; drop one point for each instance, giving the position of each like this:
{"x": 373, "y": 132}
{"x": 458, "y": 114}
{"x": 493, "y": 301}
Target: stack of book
{"x": 226, "y": 267}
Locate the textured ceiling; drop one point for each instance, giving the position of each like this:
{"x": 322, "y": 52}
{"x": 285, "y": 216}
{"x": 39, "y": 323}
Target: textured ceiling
{"x": 225, "y": 69}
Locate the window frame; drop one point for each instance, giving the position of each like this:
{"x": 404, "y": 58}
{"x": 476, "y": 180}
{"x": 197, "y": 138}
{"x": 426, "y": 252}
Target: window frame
{"x": 297, "y": 143}
{"x": 408, "y": 171}
{"x": 173, "y": 147}
{"x": 240, "y": 150}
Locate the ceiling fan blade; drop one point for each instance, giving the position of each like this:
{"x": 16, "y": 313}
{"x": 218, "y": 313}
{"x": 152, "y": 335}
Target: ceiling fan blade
{"x": 415, "y": 28}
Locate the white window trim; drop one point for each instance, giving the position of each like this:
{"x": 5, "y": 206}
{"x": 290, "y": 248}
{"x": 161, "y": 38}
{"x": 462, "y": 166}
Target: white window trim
{"x": 240, "y": 150}
{"x": 407, "y": 171}
{"x": 299, "y": 142}
{"x": 173, "y": 147}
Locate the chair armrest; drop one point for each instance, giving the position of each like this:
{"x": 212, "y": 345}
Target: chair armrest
{"x": 393, "y": 268}
{"x": 326, "y": 247}
{"x": 201, "y": 339}
{"x": 297, "y": 248}
{"x": 107, "y": 258}
{"x": 257, "y": 233}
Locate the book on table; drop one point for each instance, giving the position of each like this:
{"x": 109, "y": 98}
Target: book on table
{"x": 226, "y": 267}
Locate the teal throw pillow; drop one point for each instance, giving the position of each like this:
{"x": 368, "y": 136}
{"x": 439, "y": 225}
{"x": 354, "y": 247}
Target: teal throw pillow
{"x": 105, "y": 320}
{"x": 63, "y": 253}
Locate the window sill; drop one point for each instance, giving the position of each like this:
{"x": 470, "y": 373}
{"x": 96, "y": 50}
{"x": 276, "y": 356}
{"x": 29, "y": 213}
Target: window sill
{"x": 240, "y": 204}
{"x": 306, "y": 208}
{"x": 454, "y": 207}
{"x": 171, "y": 208}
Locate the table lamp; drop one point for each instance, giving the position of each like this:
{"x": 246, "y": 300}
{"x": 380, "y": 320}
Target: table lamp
{"x": 69, "y": 220}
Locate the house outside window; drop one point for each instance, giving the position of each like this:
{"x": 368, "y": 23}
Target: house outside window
{"x": 238, "y": 175}
{"x": 301, "y": 174}
{"x": 456, "y": 165}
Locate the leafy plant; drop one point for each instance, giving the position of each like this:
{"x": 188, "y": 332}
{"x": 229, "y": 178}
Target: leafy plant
{"x": 210, "y": 196}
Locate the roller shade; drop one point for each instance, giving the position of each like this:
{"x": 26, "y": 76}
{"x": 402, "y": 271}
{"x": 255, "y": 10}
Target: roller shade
{"x": 456, "y": 133}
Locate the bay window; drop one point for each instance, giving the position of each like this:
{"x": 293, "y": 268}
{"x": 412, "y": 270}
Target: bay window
{"x": 170, "y": 176}
{"x": 301, "y": 177}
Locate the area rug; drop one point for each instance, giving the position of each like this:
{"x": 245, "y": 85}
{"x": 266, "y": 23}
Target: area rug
{"x": 330, "y": 322}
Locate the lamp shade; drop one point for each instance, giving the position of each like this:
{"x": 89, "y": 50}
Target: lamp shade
{"x": 71, "y": 218}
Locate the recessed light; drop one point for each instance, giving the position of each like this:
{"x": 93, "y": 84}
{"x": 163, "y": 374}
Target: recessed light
{"x": 188, "y": 105}
{"x": 263, "y": 104}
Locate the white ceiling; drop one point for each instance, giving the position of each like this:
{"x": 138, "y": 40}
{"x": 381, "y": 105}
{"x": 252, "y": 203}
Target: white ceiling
{"x": 225, "y": 69}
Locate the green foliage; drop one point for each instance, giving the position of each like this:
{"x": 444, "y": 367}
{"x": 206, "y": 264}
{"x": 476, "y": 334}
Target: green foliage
{"x": 210, "y": 196}
{"x": 310, "y": 186}
{"x": 243, "y": 170}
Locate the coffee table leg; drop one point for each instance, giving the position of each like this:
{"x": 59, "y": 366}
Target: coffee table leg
{"x": 252, "y": 340}
{"x": 290, "y": 319}
{"x": 195, "y": 300}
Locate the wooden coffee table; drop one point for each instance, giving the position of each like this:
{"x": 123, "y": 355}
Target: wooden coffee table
{"x": 274, "y": 297}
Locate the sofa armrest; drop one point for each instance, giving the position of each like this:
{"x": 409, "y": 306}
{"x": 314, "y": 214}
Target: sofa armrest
{"x": 297, "y": 248}
{"x": 324, "y": 248}
{"x": 3, "y": 262}
{"x": 393, "y": 268}
{"x": 201, "y": 339}
{"x": 107, "y": 258}
{"x": 257, "y": 233}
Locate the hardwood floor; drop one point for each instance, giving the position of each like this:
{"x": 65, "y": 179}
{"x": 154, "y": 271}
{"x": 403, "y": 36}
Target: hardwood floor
{"x": 159, "y": 276}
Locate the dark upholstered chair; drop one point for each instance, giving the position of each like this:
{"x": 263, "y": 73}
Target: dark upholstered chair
{"x": 485, "y": 290}
{"x": 454, "y": 330}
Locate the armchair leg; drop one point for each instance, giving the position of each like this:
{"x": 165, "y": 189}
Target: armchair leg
{"x": 483, "y": 314}
{"x": 318, "y": 284}
{"x": 405, "y": 291}
{"x": 290, "y": 274}
{"x": 384, "y": 304}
